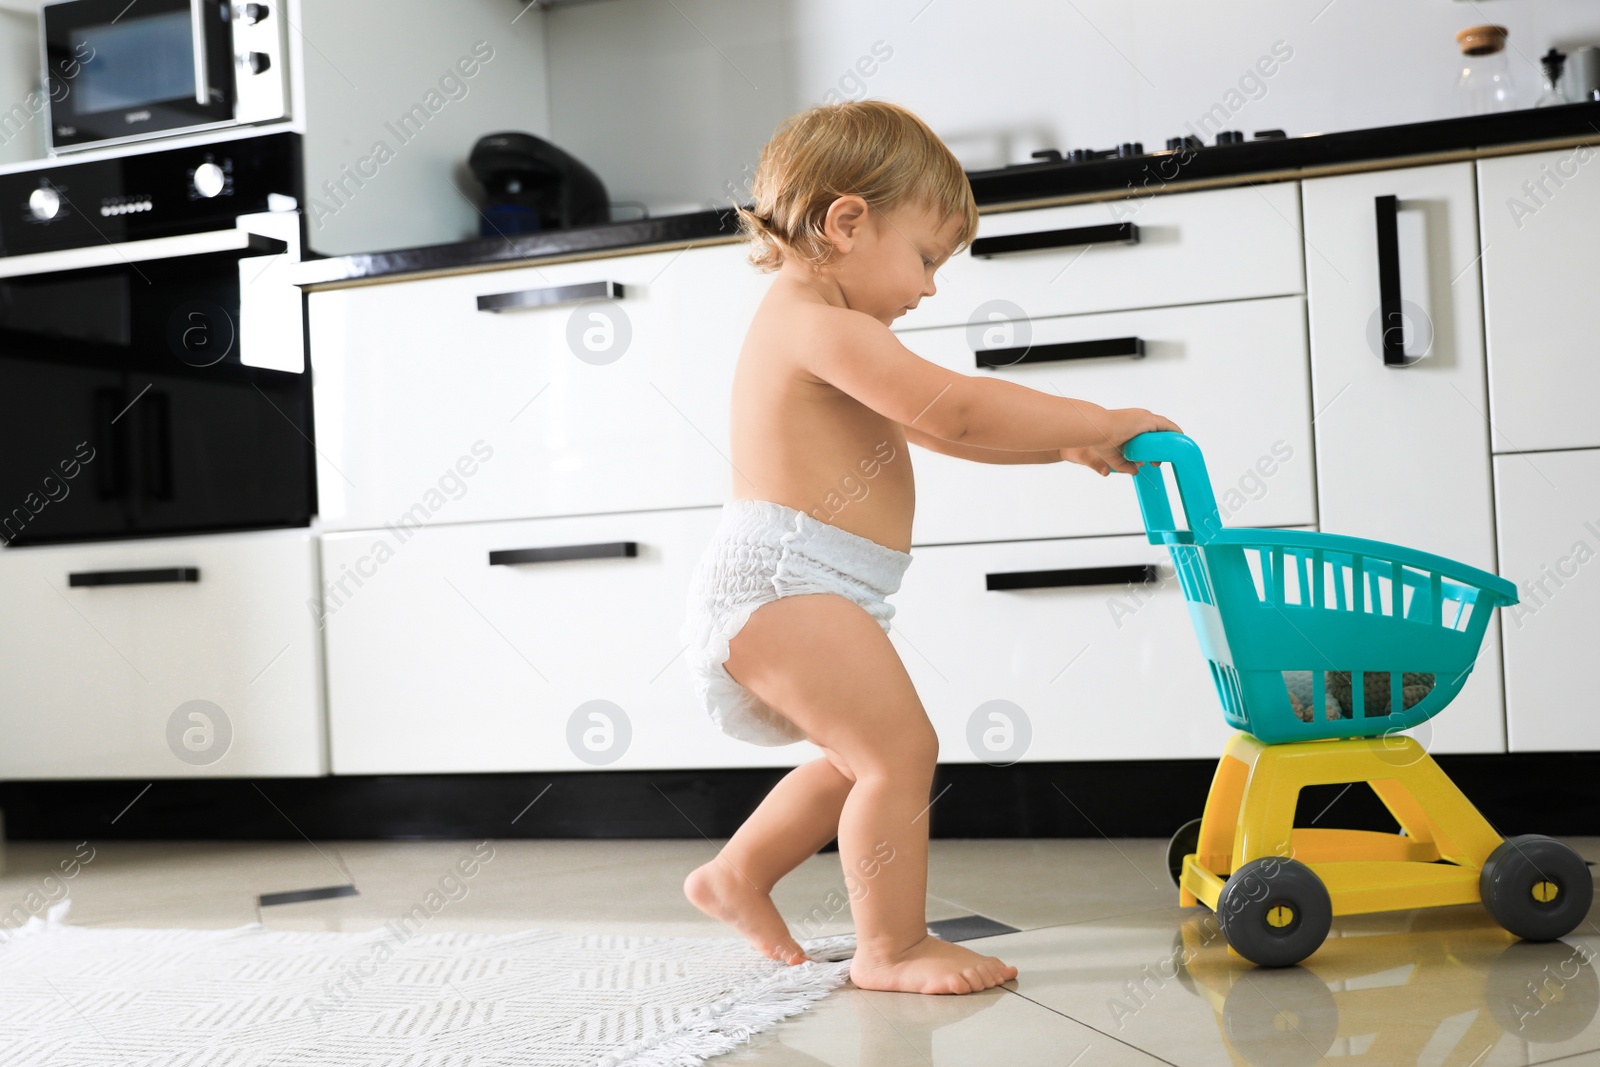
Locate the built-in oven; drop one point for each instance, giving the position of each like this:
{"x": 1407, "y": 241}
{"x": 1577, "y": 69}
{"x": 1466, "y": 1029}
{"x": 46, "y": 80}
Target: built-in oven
{"x": 153, "y": 372}
{"x": 120, "y": 71}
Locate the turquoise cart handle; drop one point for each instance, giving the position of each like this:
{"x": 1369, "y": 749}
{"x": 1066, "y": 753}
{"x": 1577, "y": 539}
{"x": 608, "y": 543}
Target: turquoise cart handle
{"x": 1194, "y": 484}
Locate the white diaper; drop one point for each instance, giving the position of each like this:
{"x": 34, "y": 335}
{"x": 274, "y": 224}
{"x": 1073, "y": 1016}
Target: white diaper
{"x": 763, "y": 551}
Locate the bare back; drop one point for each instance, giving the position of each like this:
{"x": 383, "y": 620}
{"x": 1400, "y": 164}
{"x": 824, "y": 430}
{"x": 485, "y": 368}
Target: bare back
{"x": 801, "y": 442}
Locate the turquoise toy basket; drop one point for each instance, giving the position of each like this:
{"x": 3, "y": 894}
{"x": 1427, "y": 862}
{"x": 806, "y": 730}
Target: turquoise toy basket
{"x": 1303, "y": 630}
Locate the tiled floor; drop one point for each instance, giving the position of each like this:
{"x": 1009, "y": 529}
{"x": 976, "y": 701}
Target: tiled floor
{"x": 1112, "y": 971}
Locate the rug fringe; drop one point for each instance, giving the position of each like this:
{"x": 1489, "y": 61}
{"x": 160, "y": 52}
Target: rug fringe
{"x": 53, "y": 916}
{"x": 733, "y": 1020}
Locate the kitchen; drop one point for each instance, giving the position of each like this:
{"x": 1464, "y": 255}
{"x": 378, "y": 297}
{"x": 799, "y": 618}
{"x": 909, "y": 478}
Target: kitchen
{"x": 398, "y": 407}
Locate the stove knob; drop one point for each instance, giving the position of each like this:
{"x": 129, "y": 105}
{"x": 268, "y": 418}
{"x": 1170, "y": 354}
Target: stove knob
{"x": 1230, "y": 137}
{"x": 252, "y": 13}
{"x": 1174, "y": 143}
{"x": 1081, "y": 155}
{"x": 258, "y": 62}
{"x": 1125, "y": 149}
{"x": 44, "y": 203}
{"x": 209, "y": 180}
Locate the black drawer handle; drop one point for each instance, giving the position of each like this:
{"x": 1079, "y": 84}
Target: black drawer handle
{"x": 550, "y": 295}
{"x": 1118, "y": 575}
{"x": 1132, "y": 347}
{"x": 605, "y": 550}
{"x": 1110, "y": 233}
{"x": 153, "y": 576}
{"x": 1391, "y": 322}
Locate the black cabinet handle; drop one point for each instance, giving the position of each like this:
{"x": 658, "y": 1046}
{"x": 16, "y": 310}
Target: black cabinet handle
{"x": 1110, "y": 233}
{"x": 110, "y": 443}
{"x": 1391, "y": 320}
{"x": 1116, "y": 575}
{"x": 1111, "y": 346}
{"x": 605, "y": 550}
{"x": 550, "y": 295}
{"x": 154, "y": 576}
{"x": 156, "y": 448}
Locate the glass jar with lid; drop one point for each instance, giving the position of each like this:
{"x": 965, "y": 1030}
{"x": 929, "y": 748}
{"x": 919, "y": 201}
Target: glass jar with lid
{"x": 1484, "y": 84}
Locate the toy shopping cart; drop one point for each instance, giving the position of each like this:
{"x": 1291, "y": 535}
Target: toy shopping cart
{"x": 1323, "y": 649}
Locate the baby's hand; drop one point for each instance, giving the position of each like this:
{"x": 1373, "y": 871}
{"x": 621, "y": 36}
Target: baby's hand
{"x": 1089, "y": 457}
{"x": 1129, "y": 422}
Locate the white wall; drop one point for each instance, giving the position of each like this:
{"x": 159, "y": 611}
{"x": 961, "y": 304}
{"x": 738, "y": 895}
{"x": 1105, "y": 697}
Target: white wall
{"x": 21, "y": 127}
{"x": 366, "y": 64}
{"x": 670, "y": 103}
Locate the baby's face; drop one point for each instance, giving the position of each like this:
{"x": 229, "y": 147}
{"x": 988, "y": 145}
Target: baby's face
{"x": 889, "y": 274}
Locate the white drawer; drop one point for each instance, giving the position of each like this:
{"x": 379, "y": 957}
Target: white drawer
{"x": 97, "y": 676}
{"x": 1234, "y": 375}
{"x": 439, "y": 661}
{"x": 1548, "y": 505}
{"x": 1219, "y": 244}
{"x": 1100, "y": 671}
{"x": 429, "y": 410}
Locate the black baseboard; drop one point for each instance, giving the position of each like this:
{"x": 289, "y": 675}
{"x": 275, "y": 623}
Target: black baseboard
{"x": 1551, "y": 793}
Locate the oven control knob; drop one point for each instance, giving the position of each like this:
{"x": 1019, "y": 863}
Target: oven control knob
{"x": 44, "y": 203}
{"x": 209, "y": 180}
{"x": 253, "y": 13}
{"x": 258, "y": 62}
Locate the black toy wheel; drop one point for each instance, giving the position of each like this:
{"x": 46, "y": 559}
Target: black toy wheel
{"x": 1536, "y": 887}
{"x": 1184, "y": 842}
{"x": 1274, "y": 911}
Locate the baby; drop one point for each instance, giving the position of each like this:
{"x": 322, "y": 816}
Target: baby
{"x": 856, "y": 205}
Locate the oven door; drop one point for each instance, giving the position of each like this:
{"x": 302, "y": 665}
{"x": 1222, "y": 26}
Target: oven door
{"x": 126, "y": 410}
{"x": 118, "y": 72}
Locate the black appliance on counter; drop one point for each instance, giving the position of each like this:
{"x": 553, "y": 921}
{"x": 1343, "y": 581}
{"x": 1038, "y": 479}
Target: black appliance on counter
{"x": 130, "y": 404}
{"x": 532, "y": 185}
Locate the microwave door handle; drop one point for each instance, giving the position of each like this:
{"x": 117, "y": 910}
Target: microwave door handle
{"x": 197, "y": 24}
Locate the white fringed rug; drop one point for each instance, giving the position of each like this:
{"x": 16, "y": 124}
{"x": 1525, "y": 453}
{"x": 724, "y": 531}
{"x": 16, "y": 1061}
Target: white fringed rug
{"x": 78, "y": 996}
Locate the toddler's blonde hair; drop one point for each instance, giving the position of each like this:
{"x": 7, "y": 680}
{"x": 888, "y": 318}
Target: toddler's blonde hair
{"x": 873, "y": 149}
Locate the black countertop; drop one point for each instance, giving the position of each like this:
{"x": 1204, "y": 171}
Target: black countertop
{"x": 1161, "y": 171}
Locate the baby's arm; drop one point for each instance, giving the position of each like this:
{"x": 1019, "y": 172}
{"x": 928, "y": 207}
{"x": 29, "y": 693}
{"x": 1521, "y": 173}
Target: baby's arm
{"x": 860, "y": 356}
{"x": 982, "y": 455}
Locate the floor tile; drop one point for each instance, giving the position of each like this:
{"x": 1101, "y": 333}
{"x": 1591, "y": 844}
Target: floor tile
{"x": 860, "y": 1028}
{"x": 1440, "y": 986}
{"x": 162, "y": 884}
{"x": 1034, "y": 883}
{"x": 1111, "y": 970}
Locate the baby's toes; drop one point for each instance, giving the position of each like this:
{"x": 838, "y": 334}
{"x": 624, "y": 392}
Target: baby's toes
{"x": 788, "y": 952}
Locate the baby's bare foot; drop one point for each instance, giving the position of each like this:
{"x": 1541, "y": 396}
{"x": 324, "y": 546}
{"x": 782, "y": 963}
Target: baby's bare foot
{"x": 929, "y": 966}
{"x": 719, "y": 891}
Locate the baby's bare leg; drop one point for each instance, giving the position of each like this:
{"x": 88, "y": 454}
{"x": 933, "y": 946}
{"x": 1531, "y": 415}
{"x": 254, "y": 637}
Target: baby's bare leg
{"x": 798, "y": 817}
{"x": 828, "y": 666}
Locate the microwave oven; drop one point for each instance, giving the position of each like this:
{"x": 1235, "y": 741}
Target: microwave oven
{"x": 117, "y": 72}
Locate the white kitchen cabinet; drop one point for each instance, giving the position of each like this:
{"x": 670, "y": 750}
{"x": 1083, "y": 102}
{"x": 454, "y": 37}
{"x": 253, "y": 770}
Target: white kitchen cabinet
{"x": 587, "y": 406}
{"x": 1402, "y": 451}
{"x": 1233, "y": 375}
{"x": 1549, "y": 527}
{"x": 1189, "y": 248}
{"x": 1539, "y": 214}
{"x": 205, "y": 661}
{"x": 1105, "y": 668}
{"x": 439, "y": 660}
